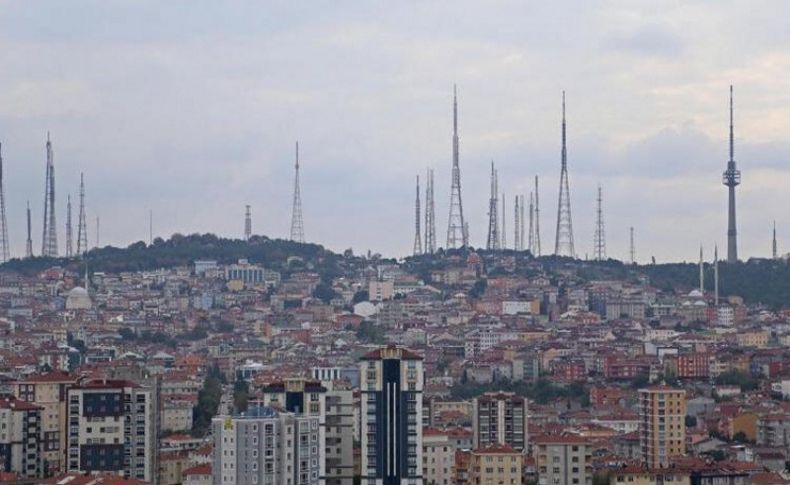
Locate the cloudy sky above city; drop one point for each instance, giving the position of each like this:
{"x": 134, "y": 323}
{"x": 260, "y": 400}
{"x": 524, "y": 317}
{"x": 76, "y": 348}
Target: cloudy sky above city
{"x": 191, "y": 109}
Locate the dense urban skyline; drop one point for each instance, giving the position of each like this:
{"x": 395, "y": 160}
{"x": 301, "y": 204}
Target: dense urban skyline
{"x": 192, "y": 111}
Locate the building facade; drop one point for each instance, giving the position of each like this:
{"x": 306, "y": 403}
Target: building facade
{"x": 662, "y": 428}
{"x": 20, "y": 428}
{"x": 563, "y": 460}
{"x": 500, "y": 418}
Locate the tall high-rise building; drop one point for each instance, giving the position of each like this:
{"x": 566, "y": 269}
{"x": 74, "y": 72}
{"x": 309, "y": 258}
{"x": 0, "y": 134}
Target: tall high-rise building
{"x": 49, "y": 236}
{"x": 563, "y": 241}
{"x": 662, "y": 427}
{"x": 391, "y": 383}
{"x": 266, "y": 446}
{"x": 500, "y": 418}
{"x": 563, "y": 460}
{"x": 457, "y": 231}
{"x": 48, "y": 391}
{"x": 731, "y": 178}
{"x": 20, "y": 446}
{"x": 297, "y": 224}
{"x": 5, "y": 253}
{"x": 332, "y": 405}
{"x": 112, "y": 428}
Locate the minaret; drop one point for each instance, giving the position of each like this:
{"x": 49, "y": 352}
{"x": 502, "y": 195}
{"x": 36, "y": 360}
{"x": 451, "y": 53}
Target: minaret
{"x": 563, "y": 241}
{"x": 29, "y": 242}
{"x": 716, "y": 275}
{"x": 69, "y": 249}
{"x": 503, "y": 229}
{"x": 492, "y": 242}
{"x": 537, "y": 220}
{"x": 457, "y": 230}
{"x": 599, "y": 243}
{"x": 774, "y": 251}
{"x": 417, "y": 250}
{"x": 82, "y": 224}
{"x": 5, "y": 253}
{"x": 247, "y": 223}
{"x": 430, "y": 215}
{"x": 49, "y": 236}
{"x": 731, "y": 178}
{"x": 297, "y": 225}
{"x": 701, "y": 272}
{"x": 517, "y": 226}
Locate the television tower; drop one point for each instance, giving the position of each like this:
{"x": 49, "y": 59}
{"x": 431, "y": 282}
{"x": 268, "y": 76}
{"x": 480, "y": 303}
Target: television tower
{"x": 492, "y": 242}
{"x": 563, "y": 241}
{"x": 774, "y": 251}
{"x": 517, "y": 227}
{"x": 297, "y": 225}
{"x": 29, "y": 243}
{"x": 632, "y": 249}
{"x": 457, "y": 230}
{"x": 430, "y": 215}
{"x": 69, "y": 249}
{"x": 537, "y": 220}
{"x": 417, "y": 233}
{"x": 49, "y": 243}
{"x": 247, "y": 223}
{"x": 82, "y": 227}
{"x": 4, "y": 249}
{"x": 731, "y": 178}
{"x": 599, "y": 243}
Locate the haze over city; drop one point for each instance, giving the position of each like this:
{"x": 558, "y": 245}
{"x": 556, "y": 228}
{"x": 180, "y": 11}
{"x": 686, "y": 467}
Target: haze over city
{"x": 192, "y": 109}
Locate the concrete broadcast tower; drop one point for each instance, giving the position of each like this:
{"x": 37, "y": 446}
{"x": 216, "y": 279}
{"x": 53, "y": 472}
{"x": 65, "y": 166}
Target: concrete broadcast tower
{"x": 731, "y": 178}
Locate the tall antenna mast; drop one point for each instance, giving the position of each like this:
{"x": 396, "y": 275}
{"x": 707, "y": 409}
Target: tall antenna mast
{"x": 531, "y": 241}
{"x": 492, "y": 242}
{"x": 563, "y": 241}
{"x": 297, "y": 225}
{"x": 521, "y": 220}
{"x": 417, "y": 233}
{"x": 774, "y": 251}
{"x": 69, "y": 248}
{"x": 517, "y": 226}
{"x": 731, "y": 178}
{"x": 82, "y": 224}
{"x": 503, "y": 231}
{"x": 716, "y": 275}
{"x": 537, "y": 220}
{"x": 29, "y": 242}
{"x": 430, "y": 215}
{"x": 150, "y": 227}
{"x": 97, "y": 231}
{"x": 599, "y": 243}
{"x": 632, "y": 249}
{"x": 701, "y": 272}
{"x": 5, "y": 253}
{"x": 457, "y": 230}
{"x": 49, "y": 243}
{"x": 247, "y": 223}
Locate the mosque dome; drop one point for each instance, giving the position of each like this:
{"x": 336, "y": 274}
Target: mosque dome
{"x": 78, "y": 299}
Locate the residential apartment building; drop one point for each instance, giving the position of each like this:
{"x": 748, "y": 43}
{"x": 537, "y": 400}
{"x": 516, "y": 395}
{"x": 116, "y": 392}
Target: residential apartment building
{"x": 391, "y": 417}
{"x": 563, "y": 460}
{"x": 500, "y": 418}
{"x": 112, "y": 428}
{"x": 497, "y": 464}
{"x": 265, "y": 446}
{"x": 20, "y": 431}
{"x": 662, "y": 428}
{"x": 438, "y": 457}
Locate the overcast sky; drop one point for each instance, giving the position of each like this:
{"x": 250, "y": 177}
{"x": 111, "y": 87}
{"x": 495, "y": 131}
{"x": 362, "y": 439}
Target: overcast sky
{"x": 191, "y": 109}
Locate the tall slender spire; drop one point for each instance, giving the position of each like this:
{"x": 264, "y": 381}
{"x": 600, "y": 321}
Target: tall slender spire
{"x": 150, "y": 227}
{"x": 430, "y": 215}
{"x": 521, "y": 221}
{"x": 537, "y": 220}
{"x": 247, "y": 223}
{"x": 49, "y": 243}
{"x": 599, "y": 243}
{"x": 731, "y": 178}
{"x": 457, "y": 230}
{"x": 69, "y": 248}
{"x": 82, "y": 224}
{"x": 297, "y": 225}
{"x": 29, "y": 242}
{"x": 716, "y": 275}
{"x": 492, "y": 241}
{"x": 417, "y": 250}
{"x": 517, "y": 226}
{"x": 563, "y": 241}
{"x": 503, "y": 230}
{"x": 632, "y": 248}
{"x": 701, "y": 272}
{"x": 531, "y": 234}
{"x": 5, "y": 253}
{"x": 774, "y": 251}
{"x": 97, "y": 232}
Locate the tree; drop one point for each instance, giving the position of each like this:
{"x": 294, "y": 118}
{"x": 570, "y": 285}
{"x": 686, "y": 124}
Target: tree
{"x": 740, "y": 437}
{"x": 324, "y": 292}
{"x": 360, "y": 296}
{"x": 241, "y": 395}
{"x": 691, "y": 421}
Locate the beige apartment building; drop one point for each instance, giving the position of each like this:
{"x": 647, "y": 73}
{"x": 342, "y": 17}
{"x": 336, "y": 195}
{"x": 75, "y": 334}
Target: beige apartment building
{"x": 662, "y": 426}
